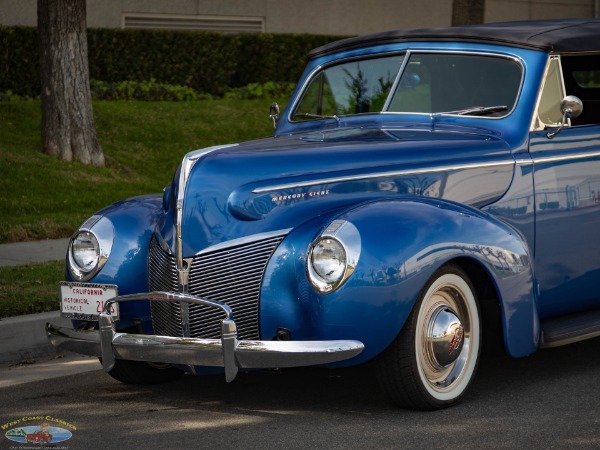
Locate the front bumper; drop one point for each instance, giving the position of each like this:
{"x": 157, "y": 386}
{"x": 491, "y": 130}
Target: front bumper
{"x": 227, "y": 352}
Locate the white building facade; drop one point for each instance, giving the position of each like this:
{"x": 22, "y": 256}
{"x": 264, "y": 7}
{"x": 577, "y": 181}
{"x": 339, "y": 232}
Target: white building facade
{"x": 334, "y": 17}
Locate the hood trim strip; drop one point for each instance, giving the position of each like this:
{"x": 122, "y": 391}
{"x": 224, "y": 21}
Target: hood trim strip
{"x": 386, "y": 174}
{"x": 245, "y": 240}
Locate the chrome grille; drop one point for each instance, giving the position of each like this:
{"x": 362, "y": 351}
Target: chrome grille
{"x": 162, "y": 276}
{"x": 228, "y": 274}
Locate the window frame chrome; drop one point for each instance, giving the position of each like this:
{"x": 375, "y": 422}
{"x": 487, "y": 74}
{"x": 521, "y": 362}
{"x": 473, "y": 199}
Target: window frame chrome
{"x": 536, "y": 123}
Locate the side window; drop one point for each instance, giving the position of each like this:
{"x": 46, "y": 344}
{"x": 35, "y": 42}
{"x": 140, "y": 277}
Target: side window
{"x": 587, "y": 79}
{"x": 552, "y": 94}
{"x": 582, "y": 78}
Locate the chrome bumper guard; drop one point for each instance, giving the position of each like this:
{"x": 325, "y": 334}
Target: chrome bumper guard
{"x": 227, "y": 352}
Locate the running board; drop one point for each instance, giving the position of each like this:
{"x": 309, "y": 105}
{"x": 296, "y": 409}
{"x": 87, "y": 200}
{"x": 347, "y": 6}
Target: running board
{"x": 569, "y": 329}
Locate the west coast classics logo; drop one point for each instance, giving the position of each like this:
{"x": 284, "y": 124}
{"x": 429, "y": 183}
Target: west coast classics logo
{"x": 38, "y": 430}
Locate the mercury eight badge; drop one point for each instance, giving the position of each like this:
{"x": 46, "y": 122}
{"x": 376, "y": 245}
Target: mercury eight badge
{"x": 427, "y": 196}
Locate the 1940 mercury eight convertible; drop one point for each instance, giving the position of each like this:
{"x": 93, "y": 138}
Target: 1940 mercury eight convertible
{"x": 426, "y": 194}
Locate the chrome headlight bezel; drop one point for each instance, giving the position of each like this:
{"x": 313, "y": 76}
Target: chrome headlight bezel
{"x": 339, "y": 233}
{"x": 99, "y": 231}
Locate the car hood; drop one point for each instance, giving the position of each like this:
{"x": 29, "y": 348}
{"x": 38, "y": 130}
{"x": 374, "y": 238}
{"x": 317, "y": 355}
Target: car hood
{"x": 278, "y": 183}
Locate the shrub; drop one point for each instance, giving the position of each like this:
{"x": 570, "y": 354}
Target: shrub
{"x": 268, "y": 90}
{"x": 203, "y": 61}
{"x": 208, "y": 63}
{"x": 141, "y": 90}
{"x": 19, "y": 61}
{"x": 274, "y": 57}
{"x": 10, "y": 96}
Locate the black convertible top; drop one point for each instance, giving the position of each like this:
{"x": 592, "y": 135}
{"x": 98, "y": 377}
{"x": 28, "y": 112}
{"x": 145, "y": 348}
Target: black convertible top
{"x": 559, "y": 36}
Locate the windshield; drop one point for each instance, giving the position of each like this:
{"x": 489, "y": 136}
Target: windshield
{"x": 430, "y": 83}
{"x": 355, "y": 87}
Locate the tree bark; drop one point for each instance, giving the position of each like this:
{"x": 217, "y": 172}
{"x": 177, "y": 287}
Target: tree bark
{"x": 467, "y": 12}
{"x": 68, "y": 129}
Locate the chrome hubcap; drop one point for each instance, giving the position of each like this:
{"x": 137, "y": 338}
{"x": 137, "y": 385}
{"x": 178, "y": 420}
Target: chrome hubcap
{"x": 444, "y": 337}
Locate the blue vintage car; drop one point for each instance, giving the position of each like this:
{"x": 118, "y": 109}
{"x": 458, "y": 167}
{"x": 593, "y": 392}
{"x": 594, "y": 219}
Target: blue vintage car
{"x": 427, "y": 195}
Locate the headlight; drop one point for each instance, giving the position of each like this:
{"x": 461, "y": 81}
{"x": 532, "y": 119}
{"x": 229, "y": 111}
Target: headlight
{"x": 90, "y": 247}
{"x": 328, "y": 259}
{"x": 333, "y": 256}
{"x": 86, "y": 251}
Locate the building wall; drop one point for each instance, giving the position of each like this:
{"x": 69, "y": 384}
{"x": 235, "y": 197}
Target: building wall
{"x": 346, "y": 17}
{"x": 503, "y": 10}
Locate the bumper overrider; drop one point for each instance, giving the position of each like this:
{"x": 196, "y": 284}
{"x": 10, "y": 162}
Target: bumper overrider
{"x": 227, "y": 352}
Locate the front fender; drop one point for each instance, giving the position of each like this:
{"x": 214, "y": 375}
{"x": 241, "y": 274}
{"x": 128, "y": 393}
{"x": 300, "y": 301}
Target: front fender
{"x": 403, "y": 242}
{"x": 134, "y": 221}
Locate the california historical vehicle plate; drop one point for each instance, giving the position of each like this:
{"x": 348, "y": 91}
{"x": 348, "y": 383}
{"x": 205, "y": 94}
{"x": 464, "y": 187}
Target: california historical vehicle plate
{"x": 85, "y": 301}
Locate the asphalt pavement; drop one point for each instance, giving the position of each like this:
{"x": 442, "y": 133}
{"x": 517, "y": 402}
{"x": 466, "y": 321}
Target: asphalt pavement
{"x": 23, "y": 338}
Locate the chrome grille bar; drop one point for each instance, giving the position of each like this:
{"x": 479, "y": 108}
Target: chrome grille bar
{"x": 231, "y": 274}
{"x": 162, "y": 276}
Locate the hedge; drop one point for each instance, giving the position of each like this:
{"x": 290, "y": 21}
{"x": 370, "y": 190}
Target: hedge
{"x": 19, "y": 59}
{"x": 210, "y": 63}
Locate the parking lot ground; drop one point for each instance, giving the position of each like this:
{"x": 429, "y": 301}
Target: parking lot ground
{"x": 46, "y": 367}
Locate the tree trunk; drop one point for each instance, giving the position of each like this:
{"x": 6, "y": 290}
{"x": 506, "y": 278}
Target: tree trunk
{"x": 68, "y": 129}
{"x": 467, "y": 12}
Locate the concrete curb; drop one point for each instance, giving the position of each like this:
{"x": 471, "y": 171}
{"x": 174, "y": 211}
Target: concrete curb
{"x": 24, "y": 337}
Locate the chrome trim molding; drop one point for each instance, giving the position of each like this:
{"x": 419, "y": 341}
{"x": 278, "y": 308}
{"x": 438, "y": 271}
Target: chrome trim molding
{"x": 534, "y": 117}
{"x": 186, "y": 167}
{"x": 348, "y": 236}
{"x": 524, "y": 161}
{"x": 550, "y": 159}
{"x": 90, "y": 222}
{"x": 388, "y": 100}
{"x": 394, "y": 173}
{"x": 227, "y": 352}
{"x": 163, "y": 244}
{"x": 244, "y": 240}
{"x": 534, "y": 126}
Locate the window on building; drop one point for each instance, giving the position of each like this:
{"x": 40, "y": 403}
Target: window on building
{"x": 219, "y": 24}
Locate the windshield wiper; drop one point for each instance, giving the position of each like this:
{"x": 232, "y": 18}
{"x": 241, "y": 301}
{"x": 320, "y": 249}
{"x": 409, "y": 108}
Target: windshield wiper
{"x": 317, "y": 116}
{"x": 479, "y": 110}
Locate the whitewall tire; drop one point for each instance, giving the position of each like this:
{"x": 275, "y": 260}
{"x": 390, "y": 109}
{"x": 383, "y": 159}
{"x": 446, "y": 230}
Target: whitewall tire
{"x": 433, "y": 360}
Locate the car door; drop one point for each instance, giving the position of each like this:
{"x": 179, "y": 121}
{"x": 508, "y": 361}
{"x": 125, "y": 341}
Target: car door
{"x": 566, "y": 170}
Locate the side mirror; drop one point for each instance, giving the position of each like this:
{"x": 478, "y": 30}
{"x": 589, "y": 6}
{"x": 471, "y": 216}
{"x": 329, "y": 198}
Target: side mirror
{"x": 274, "y": 113}
{"x": 571, "y": 107}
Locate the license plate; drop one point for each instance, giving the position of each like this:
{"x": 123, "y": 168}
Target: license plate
{"x": 85, "y": 301}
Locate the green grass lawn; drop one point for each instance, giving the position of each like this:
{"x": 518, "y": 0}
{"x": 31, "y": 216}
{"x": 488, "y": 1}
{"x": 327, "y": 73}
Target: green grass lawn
{"x": 143, "y": 142}
{"x": 30, "y": 289}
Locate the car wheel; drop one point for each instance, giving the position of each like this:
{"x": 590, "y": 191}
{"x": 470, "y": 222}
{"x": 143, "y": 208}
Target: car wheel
{"x": 433, "y": 360}
{"x": 140, "y": 372}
